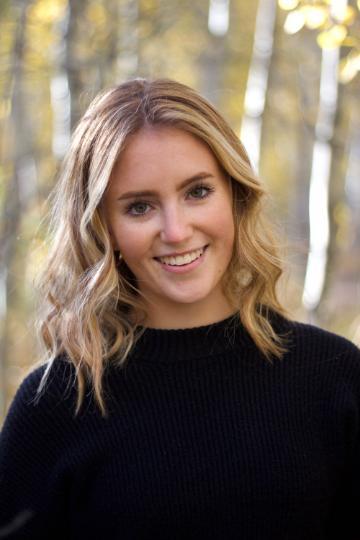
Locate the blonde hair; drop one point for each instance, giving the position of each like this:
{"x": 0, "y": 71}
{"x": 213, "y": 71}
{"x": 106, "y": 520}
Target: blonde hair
{"x": 89, "y": 297}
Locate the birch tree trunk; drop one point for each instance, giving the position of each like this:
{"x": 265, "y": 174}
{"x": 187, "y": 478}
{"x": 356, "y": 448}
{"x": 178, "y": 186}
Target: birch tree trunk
{"x": 128, "y": 41}
{"x": 18, "y": 190}
{"x": 319, "y": 222}
{"x": 212, "y": 60}
{"x": 256, "y": 89}
{"x": 60, "y": 85}
{"x": 71, "y": 66}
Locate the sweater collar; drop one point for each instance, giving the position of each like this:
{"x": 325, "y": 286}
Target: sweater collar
{"x": 160, "y": 345}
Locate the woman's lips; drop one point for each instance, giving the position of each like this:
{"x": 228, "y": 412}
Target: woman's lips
{"x": 179, "y": 259}
{"x": 178, "y": 265}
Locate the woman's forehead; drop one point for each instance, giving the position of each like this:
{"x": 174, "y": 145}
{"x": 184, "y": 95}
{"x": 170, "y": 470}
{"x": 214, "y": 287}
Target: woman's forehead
{"x": 155, "y": 153}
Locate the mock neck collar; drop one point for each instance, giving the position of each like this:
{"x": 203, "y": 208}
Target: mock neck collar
{"x": 168, "y": 345}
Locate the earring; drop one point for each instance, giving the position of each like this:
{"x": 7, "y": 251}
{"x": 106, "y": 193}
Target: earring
{"x": 119, "y": 256}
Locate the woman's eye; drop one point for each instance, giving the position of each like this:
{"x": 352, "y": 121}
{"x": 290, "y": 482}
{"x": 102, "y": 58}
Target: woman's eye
{"x": 200, "y": 192}
{"x": 141, "y": 208}
{"x": 138, "y": 208}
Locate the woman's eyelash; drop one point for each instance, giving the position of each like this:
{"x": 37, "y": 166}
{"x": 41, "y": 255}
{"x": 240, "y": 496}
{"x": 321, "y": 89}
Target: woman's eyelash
{"x": 208, "y": 189}
{"x": 131, "y": 208}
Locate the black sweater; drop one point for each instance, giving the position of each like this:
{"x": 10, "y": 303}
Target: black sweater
{"x": 204, "y": 439}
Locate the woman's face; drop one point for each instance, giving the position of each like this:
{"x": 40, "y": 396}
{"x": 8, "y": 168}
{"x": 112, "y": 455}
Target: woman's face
{"x": 168, "y": 207}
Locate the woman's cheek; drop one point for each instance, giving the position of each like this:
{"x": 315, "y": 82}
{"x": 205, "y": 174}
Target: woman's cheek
{"x": 131, "y": 241}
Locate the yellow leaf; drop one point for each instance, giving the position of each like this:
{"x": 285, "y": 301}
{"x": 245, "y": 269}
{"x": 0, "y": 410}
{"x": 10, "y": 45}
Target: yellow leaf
{"x": 347, "y": 73}
{"x": 294, "y": 22}
{"x": 5, "y": 108}
{"x": 315, "y": 16}
{"x": 349, "y": 67}
{"x": 330, "y": 39}
{"x": 48, "y": 11}
{"x": 343, "y": 14}
{"x": 288, "y": 4}
{"x": 96, "y": 14}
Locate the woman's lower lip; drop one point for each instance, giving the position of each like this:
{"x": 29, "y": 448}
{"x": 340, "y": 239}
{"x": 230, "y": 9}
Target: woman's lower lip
{"x": 182, "y": 269}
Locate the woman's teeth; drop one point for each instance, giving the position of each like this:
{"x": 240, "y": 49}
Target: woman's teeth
{"x": 179, "y": 260}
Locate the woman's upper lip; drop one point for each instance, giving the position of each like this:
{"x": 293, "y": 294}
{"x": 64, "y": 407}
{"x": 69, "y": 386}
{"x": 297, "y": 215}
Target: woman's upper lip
{"x": 180, "y": 254}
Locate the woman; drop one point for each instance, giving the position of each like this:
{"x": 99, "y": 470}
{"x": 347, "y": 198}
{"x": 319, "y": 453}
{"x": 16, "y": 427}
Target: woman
{"x": 178, "y": 401}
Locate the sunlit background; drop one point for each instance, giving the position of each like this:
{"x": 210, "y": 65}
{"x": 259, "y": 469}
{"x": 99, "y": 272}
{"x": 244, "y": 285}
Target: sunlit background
{"x": 285, "y": 75}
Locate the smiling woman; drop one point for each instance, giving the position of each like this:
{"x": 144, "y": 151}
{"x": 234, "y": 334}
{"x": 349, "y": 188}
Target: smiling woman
{"x": 177, "y": 400}
{"x": 187, "y": 227}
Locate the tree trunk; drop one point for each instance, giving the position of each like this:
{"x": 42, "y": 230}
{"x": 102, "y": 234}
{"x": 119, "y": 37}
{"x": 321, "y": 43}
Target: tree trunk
{"x": 17, "y": 192}
{"x": 320, "y": 182}
{"x": 256, "y": 89}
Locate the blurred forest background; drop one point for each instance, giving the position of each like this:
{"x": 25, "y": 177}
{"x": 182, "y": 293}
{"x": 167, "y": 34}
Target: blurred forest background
{"x": 284, "y": 73}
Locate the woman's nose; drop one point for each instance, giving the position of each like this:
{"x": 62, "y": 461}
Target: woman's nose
{"x": 175, "y": 227}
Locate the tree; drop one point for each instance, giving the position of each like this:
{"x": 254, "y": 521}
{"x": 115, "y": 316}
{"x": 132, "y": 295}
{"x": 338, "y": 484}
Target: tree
{"x": 19, "y": 187}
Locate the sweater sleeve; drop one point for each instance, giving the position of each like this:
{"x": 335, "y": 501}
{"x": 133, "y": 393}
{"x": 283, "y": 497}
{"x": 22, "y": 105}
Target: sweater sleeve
{"x": 347, "y": 505}
{"x": 31, "y": 484}
{"x": 352, "y": 519}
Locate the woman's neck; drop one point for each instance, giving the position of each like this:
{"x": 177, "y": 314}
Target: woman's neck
{"x": 175, "y": 316}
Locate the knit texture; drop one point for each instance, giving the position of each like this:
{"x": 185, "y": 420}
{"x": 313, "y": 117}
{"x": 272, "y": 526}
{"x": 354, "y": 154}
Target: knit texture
{"x": 204, "y": 439}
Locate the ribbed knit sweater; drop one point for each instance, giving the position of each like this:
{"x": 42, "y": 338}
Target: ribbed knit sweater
{"x": 204, "y": 439}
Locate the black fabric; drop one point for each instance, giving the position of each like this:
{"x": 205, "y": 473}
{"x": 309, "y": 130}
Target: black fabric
{"x": 204, "y": 438}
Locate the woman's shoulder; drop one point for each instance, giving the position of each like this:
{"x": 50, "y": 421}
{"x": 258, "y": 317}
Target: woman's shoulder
{"x": 59, "y": 375}
{"x": 48, "y": 388}
{"x": 307, "y": 341}
{"x": 38, "y": 423}
{"x": 311, "y": 335}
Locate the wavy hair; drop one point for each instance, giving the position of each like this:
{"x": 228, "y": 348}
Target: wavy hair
{"x": 91, "y": 306}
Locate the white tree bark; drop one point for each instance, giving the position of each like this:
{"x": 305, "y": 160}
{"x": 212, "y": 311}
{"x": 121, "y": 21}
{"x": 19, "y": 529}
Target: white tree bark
{"x": 60, "y": 88}
{"x": 128, "y": 60}
{"x": 256, "y": 89}
{"x": 320, "y": 179}
{"x": 18, "y": 190}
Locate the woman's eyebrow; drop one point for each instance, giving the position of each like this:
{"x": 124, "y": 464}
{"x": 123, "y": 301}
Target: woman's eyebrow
{"x": 151, "y": 193}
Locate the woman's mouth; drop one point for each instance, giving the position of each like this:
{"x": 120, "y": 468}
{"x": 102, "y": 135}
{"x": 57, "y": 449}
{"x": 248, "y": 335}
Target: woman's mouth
{"x": 182, "y": 260}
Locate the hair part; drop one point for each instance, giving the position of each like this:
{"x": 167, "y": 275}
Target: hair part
{"x": 92, "y": 309}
